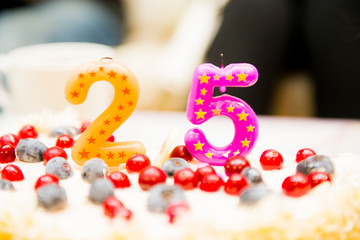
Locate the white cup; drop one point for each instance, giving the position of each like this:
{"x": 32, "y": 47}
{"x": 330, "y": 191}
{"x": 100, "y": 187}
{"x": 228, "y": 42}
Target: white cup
{"x": 36, "y": 77}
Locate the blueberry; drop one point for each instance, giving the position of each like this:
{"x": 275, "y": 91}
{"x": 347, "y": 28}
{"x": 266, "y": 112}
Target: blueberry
{"x": 100, "y": 189}
{"x": 59, "y": 167}
{"x": 172, "y": 165}
{"x": 161, "y": 195}
{"x": 58, "y": 131}
{"x": 6, "y": 185}
{"x": 252, "y": 175}
{"x": 94, "y": 168}
{"x": 315, "y": 163}
{"x": 254, "y": 193}
{"x": 30, "y": 150}
{"x": 52, "y": 197}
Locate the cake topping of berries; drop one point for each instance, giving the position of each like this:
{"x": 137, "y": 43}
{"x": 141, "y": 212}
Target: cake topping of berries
{"x": 113, "y": 207}
{"x": 64, "y": 141}
{"x": 304, "y": 153}
{"x": 9, "y": 138}
{"x": 235, "y": 164}
{"x": 30, "y": 150}
{"x": 204, "y": 170}
{"x": 252, "y": 175}
{"x": 254, "y": 193}
{"x": 52, "y": 152}
{"x": 315, "y": 163}
{"x": 172, "y": 165}
{"x": 235, "y": 184}
{"x": 137, "y": 162}
{"x": 186, "y": 178}
{"x": 28, "y": 131}
{"x": 296, "y": 185}
{"x": 52, "y": 197}
{"x": 46, "y": 179}
{"x": 150, "y": 176}
{"x": 176, "y": 209}
{"x": 119, "y": 179}
{"x": 211, "y": 182}
{"x": 315, "y": 178}
{"x": 6, "y": 185}
{"x": 12, "y": 173}
{"x": 58, "y": 131}
{"x": 94, "y": 168}
{"x": 162, "y": 195}
{"x": 7, "y": 153}
{"x": 100, "y": 189}
{"x": 181, "y": 151}
{"x": 271, "y": 159}
{"x": 59, "y": 167}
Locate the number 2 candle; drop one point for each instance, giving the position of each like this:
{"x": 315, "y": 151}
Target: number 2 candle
{"x": 202, "y": 106}
{"x": 92, "y": 142}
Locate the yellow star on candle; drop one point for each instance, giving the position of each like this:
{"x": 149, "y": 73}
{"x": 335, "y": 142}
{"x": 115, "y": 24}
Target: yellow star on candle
{"x": 200, "y": 114}
{"x": 236, "y": 153}
{"x": 229, "y": 77}
{"x": 204, "y": 78}
{"x": 250, "y": 128}
{"x": 199, "y": 145}
{"x": 209, "y": 154}
{"x": 199, "y": 101}
{"x": 245, "y": 142}
{"x": 242, "y": 116}
{"x": 203, "y": 91}
{"x": 230, "y": 108}
{"x": 216, "y": 77}
{"x": 242, "y": 76}
{"x": 216, "y": 111}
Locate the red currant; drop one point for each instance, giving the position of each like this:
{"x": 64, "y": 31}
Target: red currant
{"x": 46, "y": 179}
{"x": 84, "y": 126}
{"x": 9, "y": 138}
{"x": 271, "y": 159}
{"x": 181, "y": 152}
{"x": 235, "y": 164}
{"x": 28, "y": 131}
{"x": 235, "y": 184}
{"x": 202, "y": 171}
{"x": 186, "y": 178}
{"x": 12, "y": 173}
{"x": 7, "y": 154}
{"x": 176, "y": 209}
{"x": 296, "y": 185}
{"x": 150, "y": 176}
{"x": 119, "y": 179}
{"x": 211, "y": 182}
{"x": 317, "y": 177}
{"x": 114, "y": 207}
{"x": 111, "y": 138}
{"x": 137, "y": 162}
{"x": 64, "y": 141}
{"x": 52, "y": 152}
{"x": 304, "y": 153}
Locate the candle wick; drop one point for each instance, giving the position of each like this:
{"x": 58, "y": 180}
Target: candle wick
{"x": 222, "y": 60}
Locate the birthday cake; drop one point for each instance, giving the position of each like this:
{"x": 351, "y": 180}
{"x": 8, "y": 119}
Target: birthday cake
{"x": 167, "y": 194}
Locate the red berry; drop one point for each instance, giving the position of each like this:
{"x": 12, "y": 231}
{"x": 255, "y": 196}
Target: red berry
{"x": 12, "y": 173}
{"x": 137, "y": 162}
{"x": 150, "y": 176}
{"x": 235, "y": 164}
{"x": 211, "y": 182}
{"x": 9, "y": 138}
{"x": 119, "y": 179}
{"x": 64, "y": 141}
{"x": 296, "y": 185}
{"x": 111, "y": 138}
{"x": 52, "y": 152}
{"x": 46, "y": 179}
{"x": 176, "y": 209}
{"x": 271, "y": 159}
{"x": 7, "y": 154}
{"x": 186, "y": 178}
{"x": 28, "y": 131}
{"x": 235, "y": 184}
{"x": 114, "y": 207}
{"x": 304, "y": 153}
{"x": 181, "y": 152}
{"x": 317, "y": 177}
{"x": 202, "y": 171}
{"x": 84, "y": 126}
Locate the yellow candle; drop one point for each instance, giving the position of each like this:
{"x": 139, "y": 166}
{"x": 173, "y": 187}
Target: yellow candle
{"x": 92, "y": 142}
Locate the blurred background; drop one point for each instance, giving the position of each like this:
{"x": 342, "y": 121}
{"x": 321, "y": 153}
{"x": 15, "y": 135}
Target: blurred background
{"x": 307, "y": 52}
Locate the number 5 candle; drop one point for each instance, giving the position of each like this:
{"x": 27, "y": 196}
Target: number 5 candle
{"x": 92, "y": 142}
{"x": 202, "y": 106}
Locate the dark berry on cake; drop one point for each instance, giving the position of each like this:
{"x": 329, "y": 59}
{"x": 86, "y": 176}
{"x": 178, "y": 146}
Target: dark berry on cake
{"x": 12, "y": 173}
{"x": 252, "y": 175}
{"x": 137, "y": 162}
{"x": 181, "y": 151}
{"x": 6, "y": 185}
{"x": 235, "y": 164}
{"x": 58, "y": 131}
{"x": 30, "y": 150}
{"x": 52, "y": 197}
{"x": 59, "y": 167}
{"x": 254, "y": 193}
{"x": 52, "y": 152}
{"x": 94, "y": 168}
{"x": 7, "y": 153}
{"x": 172, "y": 165}
{"x": 186, "y": 178}
{"x": 315, "y": 163}
{"x": 162, "y": 195}
{"x": 101, "y": 189}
